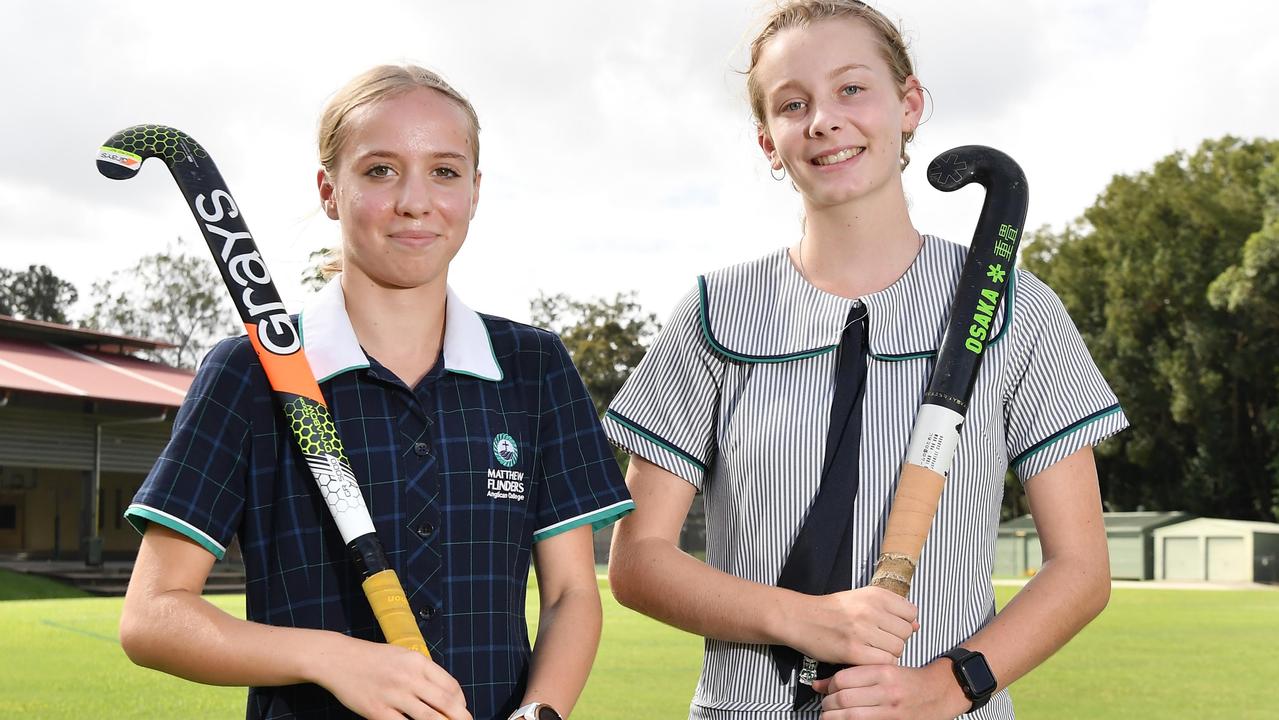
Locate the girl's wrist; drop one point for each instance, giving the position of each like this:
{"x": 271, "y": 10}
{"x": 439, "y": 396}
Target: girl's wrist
{"x": 945, "y": 689}
{"x": 779, "y": 621}
{"x": 318, "y": 654}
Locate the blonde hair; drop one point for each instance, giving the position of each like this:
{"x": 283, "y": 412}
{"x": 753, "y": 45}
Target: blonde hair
{"x": 372, "y": 86}
{"x": 803, "y": 13}
{"x": 375, "y": 85}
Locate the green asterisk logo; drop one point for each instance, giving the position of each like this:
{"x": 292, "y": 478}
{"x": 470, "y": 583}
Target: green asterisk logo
{"x": 996, "y": 272}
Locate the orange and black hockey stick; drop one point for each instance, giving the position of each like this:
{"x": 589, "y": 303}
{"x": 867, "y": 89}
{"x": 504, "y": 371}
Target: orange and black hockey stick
{"x": 279, "y": 349}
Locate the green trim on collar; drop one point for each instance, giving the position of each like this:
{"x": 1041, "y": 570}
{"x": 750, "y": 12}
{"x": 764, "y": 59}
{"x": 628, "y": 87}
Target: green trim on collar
{"x": 904, "y": 356}
{"x": 337, "y": 350}
{"x": 717, "y": 347}
{"x": 651, "y": 437}
{"x": 330, "y": 376}
{"x": 139, "y": 515}
{"x": 1008, "y": 307}
{"x": 489, "y": 338}
{"x": 598, "y": 519}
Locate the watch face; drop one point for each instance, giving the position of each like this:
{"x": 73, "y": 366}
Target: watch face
{"x": 546, "y": 713}
{"x": 978, "y": 676}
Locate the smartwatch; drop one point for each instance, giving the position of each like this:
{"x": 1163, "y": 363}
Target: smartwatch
{"x": 973, "y": 674}
{"x": 536, "y": 711}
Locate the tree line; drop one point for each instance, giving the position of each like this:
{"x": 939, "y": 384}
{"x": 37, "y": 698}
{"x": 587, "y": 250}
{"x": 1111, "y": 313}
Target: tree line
{"x": 1172, "y": 277}
{"x": 171, "y": 296}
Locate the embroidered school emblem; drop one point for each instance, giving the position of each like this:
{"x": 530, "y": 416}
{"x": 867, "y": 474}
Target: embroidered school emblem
{"x": 506, "y": 483}
{"x": 505, "y": 450}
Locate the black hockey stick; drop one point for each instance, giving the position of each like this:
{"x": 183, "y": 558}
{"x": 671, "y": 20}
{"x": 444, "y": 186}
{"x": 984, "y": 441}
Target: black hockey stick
{"x": 935, "y": 435}
{"x": 982, "y": 285}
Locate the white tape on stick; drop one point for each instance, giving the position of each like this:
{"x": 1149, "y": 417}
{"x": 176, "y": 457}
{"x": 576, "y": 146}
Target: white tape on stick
{"x": 934, "y": 438}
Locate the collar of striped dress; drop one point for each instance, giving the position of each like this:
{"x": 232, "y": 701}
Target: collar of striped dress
{"x": 765, "y": 311}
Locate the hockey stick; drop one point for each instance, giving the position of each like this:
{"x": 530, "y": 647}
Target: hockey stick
{"x": 982, "y": 285}
{"x": 279, "y": 349}
{"x": 935, "y": 435}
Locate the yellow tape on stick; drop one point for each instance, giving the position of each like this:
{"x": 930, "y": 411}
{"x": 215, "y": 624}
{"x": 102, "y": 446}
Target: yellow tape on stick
{"x": 391, "y": 608}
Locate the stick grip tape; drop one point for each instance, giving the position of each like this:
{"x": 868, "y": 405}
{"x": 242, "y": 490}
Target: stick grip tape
{"x": 918, "y": 492}
{"x": 391, "y": 608}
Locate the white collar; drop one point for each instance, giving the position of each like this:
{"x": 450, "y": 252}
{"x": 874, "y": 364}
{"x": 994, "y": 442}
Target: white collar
{"x": 332, "y": 348}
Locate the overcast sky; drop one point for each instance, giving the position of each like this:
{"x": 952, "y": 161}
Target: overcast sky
{"x": 617, "y": 147}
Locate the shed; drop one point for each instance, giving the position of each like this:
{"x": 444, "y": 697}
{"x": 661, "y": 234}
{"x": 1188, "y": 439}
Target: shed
{"x": 1129, "y": 536}
{"x": 1218, "y": 550}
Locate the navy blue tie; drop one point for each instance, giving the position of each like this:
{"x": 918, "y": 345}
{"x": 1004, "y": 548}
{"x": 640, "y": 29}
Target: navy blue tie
{"x": 821, "y": 560}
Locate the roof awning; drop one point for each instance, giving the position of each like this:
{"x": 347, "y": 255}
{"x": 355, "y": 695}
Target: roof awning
{"x": 44, "y": 367}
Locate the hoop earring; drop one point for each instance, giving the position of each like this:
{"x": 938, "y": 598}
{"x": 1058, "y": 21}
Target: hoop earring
{"x": 774, "y": 176}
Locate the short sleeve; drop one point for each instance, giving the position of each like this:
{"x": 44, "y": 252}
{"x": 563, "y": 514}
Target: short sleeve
{"x": 580, "y": 482}
{"x": 197, "y": 486}
{"x": 1057, "y": 402}
{"x": 666, "y": 412}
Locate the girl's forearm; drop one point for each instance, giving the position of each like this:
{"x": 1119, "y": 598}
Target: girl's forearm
{"x": 1053, "y": 607}
{"x": 568, "y": 635}
{"x": 653, "y": 576}
{"x": 181, "y": 633}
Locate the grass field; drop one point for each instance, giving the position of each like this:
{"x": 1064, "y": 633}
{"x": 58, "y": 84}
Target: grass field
{"x": 16, "y": 586}
{"x": 1153, "y": 653}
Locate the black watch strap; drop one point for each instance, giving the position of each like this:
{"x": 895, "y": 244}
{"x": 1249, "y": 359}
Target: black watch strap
{"x": 973, "y": 674}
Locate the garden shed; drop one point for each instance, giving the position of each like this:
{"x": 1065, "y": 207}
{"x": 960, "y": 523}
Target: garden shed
{"x": 1217, "y": 550}
{"x": 1129, "y": 535}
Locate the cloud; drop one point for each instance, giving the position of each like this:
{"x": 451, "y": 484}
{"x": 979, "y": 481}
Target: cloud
{"x": 618, "y": 147}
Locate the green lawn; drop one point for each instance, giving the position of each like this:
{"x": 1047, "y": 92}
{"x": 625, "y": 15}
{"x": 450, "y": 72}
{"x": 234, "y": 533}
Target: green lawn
{"x": 1154, "y": 653}
{"x": 17, "y": 586}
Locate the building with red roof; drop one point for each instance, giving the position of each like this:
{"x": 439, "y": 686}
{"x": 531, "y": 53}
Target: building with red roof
{"x": 81, "y": 422}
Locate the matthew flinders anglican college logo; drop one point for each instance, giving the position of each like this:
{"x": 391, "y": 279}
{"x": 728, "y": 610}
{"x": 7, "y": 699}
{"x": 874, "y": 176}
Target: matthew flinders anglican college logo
{"x": 505, "y": 483}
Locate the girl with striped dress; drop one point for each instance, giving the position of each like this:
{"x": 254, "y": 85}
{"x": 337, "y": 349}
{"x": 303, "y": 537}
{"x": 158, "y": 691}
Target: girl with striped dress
{"x": 802, "y": 370}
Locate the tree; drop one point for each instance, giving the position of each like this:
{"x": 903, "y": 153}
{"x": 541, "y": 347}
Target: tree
{"x": 1173, "y": 279}
{"x": 36, "y": 294}
{"x": 169, "y": 296}
{"x": 313, "y": 278}
{"x": 606, "y": 338}
{"x": 1249, "y": 290}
